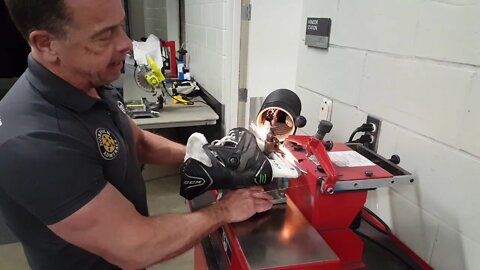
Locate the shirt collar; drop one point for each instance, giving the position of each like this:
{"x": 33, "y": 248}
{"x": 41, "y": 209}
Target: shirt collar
{"x": 57, "y": 90}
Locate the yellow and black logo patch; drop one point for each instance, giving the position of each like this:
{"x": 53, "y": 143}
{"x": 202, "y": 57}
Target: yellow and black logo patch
{"x": 107, "y": 143}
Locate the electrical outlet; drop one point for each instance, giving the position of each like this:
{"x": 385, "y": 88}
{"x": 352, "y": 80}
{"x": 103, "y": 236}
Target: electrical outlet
{"x": 375, "y": 133}
{"x": 326, "y": 110}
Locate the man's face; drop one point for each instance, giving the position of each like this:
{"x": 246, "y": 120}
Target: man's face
{"x": 95, "y": 44}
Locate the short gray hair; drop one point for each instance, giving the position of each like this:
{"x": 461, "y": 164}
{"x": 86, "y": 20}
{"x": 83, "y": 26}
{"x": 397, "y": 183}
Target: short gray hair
{"x": 30, "y": 15}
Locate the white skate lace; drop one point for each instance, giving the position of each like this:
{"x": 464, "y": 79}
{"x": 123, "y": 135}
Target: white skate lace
{"x": 225, "y": 141}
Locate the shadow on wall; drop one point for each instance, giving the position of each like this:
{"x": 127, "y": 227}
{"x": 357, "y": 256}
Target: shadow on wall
{"x": 427, "y": 240}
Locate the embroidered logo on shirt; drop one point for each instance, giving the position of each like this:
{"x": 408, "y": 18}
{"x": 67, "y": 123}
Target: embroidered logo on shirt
{"x": 107, "y": 143}
{"x": 121, "y": 107}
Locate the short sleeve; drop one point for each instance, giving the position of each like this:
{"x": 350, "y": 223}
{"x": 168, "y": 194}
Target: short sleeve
{"x": 52, "y": 175}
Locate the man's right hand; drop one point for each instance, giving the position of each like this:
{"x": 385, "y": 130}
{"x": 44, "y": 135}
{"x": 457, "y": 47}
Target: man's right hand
{"x": 241, "y": 204}
{"x": 110, "y": 226}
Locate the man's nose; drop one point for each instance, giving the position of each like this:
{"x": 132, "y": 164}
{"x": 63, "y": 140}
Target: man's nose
{"x": 125, "y": 43}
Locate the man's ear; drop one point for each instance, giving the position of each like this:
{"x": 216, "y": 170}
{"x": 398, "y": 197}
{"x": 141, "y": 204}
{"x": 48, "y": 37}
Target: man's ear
{"x": 44, "y": 44}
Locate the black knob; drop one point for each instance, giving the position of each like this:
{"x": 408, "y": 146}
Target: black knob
{"x": 328, "y": 145}
{"x": 300, "y": 121}
{"x": 395, "y": 159}
{"x": 233, "y": 161}
{"x": 297, "y": 147}
{"x": 323, "y": 128}
{"x": 368, "y": 173}
{"x": 182, "y": 51}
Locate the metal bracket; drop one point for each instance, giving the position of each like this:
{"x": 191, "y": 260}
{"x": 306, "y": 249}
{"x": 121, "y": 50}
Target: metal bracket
{"x": 242, "y": 94}
{"x": 246, "y": 12}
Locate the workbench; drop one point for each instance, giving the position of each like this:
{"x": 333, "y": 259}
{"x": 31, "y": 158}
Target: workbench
{"x": 172, "y": 115}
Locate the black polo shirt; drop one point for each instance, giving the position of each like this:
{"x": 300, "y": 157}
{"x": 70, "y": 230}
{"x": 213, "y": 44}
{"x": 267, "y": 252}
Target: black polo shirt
{"x": 58, "y": 149}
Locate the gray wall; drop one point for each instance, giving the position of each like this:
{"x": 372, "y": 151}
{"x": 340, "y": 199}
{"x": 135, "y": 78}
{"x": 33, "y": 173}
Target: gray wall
{"x": 213, "y": 42}
{"x": 162, "y": 19}
{"x": 136, "y": 17}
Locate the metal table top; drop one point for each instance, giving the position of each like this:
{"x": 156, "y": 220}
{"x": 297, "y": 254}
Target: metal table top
{"x": 281, "y": 237}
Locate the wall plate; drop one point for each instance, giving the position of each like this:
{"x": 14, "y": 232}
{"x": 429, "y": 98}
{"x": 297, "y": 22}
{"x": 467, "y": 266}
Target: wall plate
{"x": 376, "y": 133}
{"x": 326, "y": 109}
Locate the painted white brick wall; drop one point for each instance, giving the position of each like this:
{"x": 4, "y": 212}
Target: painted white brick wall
{"x": 173, "y": 22}
{"x": 415, "y": 65}
{"x": 156, "y": 18}
{"x": 337, "y": 73}
{"x": 454, "y": 251}
{"x": 136, "y": 19}
{"x": 205, "y": 31}
{"x": 427, "y": 97}
{"x": 447, "y": 181}
{"x": 212, "y": 40}
{"x": 162, "y": 19}
{"x": 448, "y": 30}
{"x": 441, "y": 30}
{"x": 344, "y": 116}
{"x": 469, "y": 133}
{"x": 360, "y": 22}
{"x": 407, "y": 215}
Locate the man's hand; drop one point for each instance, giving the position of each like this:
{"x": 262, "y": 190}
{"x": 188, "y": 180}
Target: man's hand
{"x": 241, "y": 204}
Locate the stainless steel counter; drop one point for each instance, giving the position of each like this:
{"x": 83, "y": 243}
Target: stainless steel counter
{"x": 281, "y": 237}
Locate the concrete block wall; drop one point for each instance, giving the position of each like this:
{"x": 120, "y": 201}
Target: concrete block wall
{"x": 155, "y": 12}
{"x": 136, "y": 18}
{"x": 205, "y": 35}
{"x": 173, "y": 22}
{"x": 212, "y": 29}
{"x": 414, "y": 64}
{"x": 161, "y": 18}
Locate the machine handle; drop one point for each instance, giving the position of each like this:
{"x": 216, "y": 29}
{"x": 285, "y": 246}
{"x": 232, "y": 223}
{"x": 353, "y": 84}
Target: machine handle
{"x": 316, "y": 148}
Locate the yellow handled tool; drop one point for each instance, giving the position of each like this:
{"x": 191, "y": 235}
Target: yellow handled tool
{"x": 155, "y": 77}
{"x": 180, "y": 99}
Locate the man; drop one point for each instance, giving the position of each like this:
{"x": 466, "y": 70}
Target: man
{"x": 70, "y": 188}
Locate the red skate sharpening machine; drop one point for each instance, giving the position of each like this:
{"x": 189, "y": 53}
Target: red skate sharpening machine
{"x": 321, "y": 222}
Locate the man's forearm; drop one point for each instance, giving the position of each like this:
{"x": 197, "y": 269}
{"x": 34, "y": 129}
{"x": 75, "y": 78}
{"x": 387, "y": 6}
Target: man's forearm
{"x": 167, "y": 236}
{"x": 110, "y": 226}
{"x": 171, "y": 235}
{"x": 155, "y": 149}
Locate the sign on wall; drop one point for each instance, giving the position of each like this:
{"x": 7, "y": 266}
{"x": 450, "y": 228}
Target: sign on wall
{"x": 318, "y": 32}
